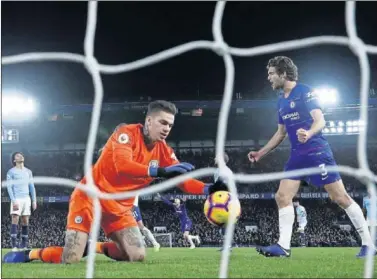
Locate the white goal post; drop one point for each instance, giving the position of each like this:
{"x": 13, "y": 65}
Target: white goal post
{"x": 164, "y": 239}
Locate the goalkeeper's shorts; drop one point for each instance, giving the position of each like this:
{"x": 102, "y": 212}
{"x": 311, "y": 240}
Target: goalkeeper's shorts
{"x": 115, "y": 216}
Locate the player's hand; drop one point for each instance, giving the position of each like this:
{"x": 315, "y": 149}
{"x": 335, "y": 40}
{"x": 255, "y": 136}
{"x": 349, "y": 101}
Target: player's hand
{"x": 16, "y": 206}
{"x": 254, "y": 156}
{"x": 34, "y": 206}
{"x": 171, "y": 171}
{"x": 211, "y": 188}
{"x": 303, "y": 135}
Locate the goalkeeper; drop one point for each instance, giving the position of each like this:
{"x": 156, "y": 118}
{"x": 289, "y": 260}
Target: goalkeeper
{"x": 132, "y": 158}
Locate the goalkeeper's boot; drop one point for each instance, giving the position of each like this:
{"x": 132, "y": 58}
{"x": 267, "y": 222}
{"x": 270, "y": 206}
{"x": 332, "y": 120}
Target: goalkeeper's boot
{"x": 364, "y": 251}
{"x": 274, "y": 251}
{"x": 17, "y": 257}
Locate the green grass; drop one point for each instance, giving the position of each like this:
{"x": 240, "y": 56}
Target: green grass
{"x": 204, "y": 263}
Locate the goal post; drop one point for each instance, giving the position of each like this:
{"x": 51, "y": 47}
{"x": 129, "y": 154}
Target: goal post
{"x": 164, "y": 239}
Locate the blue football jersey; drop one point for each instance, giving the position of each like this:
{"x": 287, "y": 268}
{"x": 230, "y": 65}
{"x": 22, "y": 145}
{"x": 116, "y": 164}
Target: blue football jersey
{"x": 294, "y": 113}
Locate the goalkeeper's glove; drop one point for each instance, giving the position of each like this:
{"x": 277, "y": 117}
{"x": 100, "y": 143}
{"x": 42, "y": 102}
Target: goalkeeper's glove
{"x": 211, "y": 188}
{"x": 171, "y": 171}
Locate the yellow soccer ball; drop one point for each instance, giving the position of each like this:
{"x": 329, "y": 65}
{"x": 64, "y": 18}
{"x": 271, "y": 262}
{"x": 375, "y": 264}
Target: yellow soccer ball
{"x": 218, "y": 206}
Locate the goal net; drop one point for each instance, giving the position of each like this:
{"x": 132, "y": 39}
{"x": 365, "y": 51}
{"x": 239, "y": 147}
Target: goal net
{"x": 359, "y": 48}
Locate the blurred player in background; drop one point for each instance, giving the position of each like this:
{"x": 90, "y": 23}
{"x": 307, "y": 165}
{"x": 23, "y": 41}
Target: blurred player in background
{"x": 20, "y": 188}
{"x": 301, "y": 119}
{"x": 302, "y": 221}
{"x": 367, "y": 208}
{"x": 132, "y": 158}
{"x": 216, "y": 178}
{"x": 186, "y": 223}
{"x": 144, "y": 230}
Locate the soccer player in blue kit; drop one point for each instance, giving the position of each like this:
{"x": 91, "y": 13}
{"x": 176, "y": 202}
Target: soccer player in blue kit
{"x": 186, "y": 223}
{"x": 301, "y": 118}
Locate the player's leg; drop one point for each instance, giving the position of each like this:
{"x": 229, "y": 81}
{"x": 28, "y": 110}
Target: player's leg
{"x": 25, "y": 215}
{"x": 188, "y": 238}
{"x": 287, "y": 190}
{"x": 15, "y": 216}
{"x": 120, "y": 226}
{"x": 14, "y": 231}
{"x": 127, "y": 245}
{"x": 144, "y": 230}
{"x": 338, "y": 194}
{"x": 301, "y": 231}
{"x": 24, "y": 231}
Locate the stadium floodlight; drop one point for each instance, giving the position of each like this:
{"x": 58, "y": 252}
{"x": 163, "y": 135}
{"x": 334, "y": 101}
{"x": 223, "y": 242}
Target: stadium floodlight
{"x": 341, "y": 124}
{"x": 327, "y": 96}
{"x": 339, "y": 130}
{"x": 16, "y": 106}
{"x": 331, "y": 123}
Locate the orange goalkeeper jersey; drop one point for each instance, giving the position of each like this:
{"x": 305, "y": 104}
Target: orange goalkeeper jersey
{"x": 125, "y": 159}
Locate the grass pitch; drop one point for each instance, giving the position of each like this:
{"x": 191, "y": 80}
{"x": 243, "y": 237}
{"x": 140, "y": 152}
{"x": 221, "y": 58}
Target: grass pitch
{"x": 204, "y": 263}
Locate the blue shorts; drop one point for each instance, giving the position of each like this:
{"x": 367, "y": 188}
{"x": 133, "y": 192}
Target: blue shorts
{"x": 137, "y": 214}
{"x": 186, "y": 226}
{"x": 322, "y": 158}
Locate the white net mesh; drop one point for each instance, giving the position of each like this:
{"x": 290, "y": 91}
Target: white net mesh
{"x": 360, "y": 49}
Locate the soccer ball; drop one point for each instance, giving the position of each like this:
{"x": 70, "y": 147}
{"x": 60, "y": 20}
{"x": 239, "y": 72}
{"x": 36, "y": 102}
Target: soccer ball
{"x": 218, "y": 206}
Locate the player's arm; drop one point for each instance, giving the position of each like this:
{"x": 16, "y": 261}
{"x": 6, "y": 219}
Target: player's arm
{"x": 32, "y": 188}
{"x": 10, "y": 186}
{"x": 122, "y": 147}
{"x": 32, "y": 191}
{"x": 276, "y": 139}
{"x": 165, "y": 200}
{"x": 318, "y": 121}
{"x": 315, "y": 109}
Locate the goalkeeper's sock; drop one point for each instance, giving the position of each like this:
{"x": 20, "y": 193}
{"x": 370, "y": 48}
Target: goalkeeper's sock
{"x": 51, "y": 254}
{"x": 147, "y": 233}
{"x": 286, "y": 220}
{"x": 356, "y": 216}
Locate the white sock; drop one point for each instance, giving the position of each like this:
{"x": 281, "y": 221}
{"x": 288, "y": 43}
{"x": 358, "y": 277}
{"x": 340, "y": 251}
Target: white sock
{"x": 356, "y": 216}
{"x": 190, "y": 237}
{"x": 149, "y": 235}
{"x": 286, "y": 220}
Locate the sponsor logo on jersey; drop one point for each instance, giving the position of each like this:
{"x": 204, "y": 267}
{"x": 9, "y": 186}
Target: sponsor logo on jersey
{"x": 292, "y": 116}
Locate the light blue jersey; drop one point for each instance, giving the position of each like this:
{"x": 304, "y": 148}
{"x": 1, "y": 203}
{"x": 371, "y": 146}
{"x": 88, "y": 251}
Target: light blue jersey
{"x": 20, "y": 184}
{"x": 301, "y": 215}
{"x": 367, "y": 205}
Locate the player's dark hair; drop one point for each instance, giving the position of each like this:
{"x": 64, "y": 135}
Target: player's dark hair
{"x": 13, "y": 156}
{"x": 284, "y": 64}
{"x": 161, "y": 105}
